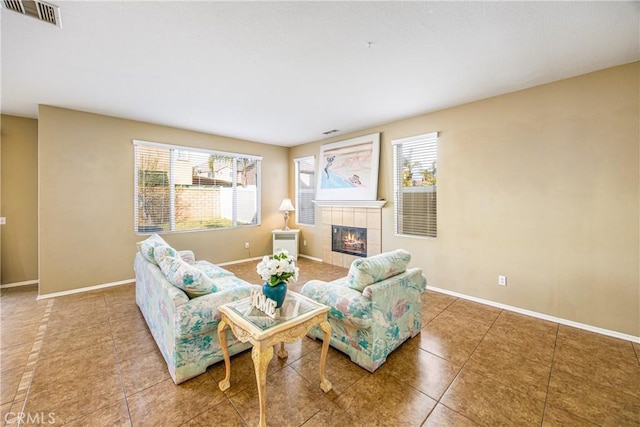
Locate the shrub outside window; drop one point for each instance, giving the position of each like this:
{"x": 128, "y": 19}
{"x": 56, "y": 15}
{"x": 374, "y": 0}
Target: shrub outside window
{"x": 415, "y": 185}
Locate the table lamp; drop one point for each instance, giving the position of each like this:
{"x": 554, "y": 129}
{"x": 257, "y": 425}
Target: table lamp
{"x": 286, "y": 206}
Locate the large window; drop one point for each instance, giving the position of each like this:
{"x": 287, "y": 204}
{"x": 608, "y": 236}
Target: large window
{"x": 305, "y": 177}
{"x": 187, "y": 189}
{"x": 415, "y": 196}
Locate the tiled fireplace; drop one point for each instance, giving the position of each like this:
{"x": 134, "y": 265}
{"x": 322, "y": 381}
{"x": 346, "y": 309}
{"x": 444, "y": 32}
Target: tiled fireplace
{"x": 361, "y": 234}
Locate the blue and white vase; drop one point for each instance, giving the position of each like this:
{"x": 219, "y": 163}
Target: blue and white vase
{"x": 277, "y": 293}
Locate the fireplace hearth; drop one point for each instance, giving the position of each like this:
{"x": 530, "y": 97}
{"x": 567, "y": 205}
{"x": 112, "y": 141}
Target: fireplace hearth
{"x": 349, "y": 240}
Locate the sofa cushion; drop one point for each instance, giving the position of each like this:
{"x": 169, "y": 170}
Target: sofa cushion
{"x": 365, "y": 271}
{"x": 181, "y": 274}
{"x": 147, "y": 247}
{"x": 211, "y": 270}
{"x": 225, "y": 283}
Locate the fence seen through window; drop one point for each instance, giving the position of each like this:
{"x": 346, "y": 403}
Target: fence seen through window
{"x": 187, "y": 189}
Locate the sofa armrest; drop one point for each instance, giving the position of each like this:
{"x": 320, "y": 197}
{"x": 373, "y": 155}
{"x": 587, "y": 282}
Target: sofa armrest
{"x": 201, "y": 315}
{"x": 158, "y": 301}
{"x": 151, "y": 284}
{"x": 412, "y": 279}
{"x": 396, "y": 305}
{"x": 346, "y": 304}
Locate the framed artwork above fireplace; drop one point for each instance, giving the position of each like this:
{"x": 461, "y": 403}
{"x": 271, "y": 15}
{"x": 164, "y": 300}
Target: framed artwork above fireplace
{"x": 349, "y": 169}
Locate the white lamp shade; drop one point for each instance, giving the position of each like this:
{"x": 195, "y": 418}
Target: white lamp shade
{"x": 286, "y": 206}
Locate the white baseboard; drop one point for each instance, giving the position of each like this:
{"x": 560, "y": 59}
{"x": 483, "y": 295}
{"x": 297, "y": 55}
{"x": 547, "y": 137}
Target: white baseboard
{"x": 16, "y": 284}
{"x": 108, "y": 285}
{"x": 542, "y": 316}
{"x": 239, "y": 261}
{"x": 311, "y": 258}
{"x": 86, "y": 289}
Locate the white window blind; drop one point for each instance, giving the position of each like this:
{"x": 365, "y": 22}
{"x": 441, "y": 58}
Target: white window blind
{"x": 186, "y": 189}
{"x": 415, "y": 190}
{"x": 305, "y": 178}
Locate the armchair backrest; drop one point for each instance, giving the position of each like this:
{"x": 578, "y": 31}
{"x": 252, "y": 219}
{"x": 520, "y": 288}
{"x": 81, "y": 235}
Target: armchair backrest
{"x": 366, "y": 271}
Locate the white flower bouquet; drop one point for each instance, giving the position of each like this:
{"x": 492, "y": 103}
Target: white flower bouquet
{"x": 281, "y": 268}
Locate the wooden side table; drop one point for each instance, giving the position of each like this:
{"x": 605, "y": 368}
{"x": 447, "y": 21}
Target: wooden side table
{"x": 297, "y": 315}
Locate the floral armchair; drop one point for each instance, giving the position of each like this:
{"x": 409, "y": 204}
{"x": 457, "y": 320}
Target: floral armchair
{"x": 374, "y": 309}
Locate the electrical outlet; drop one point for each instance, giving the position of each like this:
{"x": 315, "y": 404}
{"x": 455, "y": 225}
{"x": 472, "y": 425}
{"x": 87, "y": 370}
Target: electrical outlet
{"x": 304, "y": 243}
{"x": 3, "y": 220}
{"x": 246, "y": 245}
{"x": 502, "y": 280}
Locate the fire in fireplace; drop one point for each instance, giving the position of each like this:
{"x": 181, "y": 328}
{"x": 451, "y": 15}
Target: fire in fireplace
{"x": 349, "y": 240}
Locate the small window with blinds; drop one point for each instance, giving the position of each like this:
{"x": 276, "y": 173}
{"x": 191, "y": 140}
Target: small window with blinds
{"x": 415, "y": 195}
{"x": 305, "y": 176}
{"x": 187, "y": 189}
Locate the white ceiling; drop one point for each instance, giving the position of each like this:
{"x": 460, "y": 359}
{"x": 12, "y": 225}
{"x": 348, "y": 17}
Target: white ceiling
{"x": 284, "y": 72}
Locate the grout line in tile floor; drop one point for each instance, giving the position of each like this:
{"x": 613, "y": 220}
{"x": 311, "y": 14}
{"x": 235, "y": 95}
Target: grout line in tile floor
{"x": 546, "y": 396}
{"x": 439, "y": 400}
{"x": 118, "y": 365}
{"x": 20, "y": 399}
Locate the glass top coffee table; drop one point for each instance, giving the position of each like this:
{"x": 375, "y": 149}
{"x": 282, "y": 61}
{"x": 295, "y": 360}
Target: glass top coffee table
{"x": 292, "y": 321}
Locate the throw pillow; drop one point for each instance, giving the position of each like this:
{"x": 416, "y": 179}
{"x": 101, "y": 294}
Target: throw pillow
{"x": 187, "y": 256}
{"x": 182, "y": 275}
{"x": 366, "y": 271}
{"x": 147, "y": 247}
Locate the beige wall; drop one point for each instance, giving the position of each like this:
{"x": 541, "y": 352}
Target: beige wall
{"x": 86, "y": 198}
{"x": 540, "y": 185}
{"x": 19, "y": 200}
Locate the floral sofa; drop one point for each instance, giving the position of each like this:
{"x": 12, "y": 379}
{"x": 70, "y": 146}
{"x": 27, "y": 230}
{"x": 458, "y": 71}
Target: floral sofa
{"x": 179, "y": 299}
{"x": 374, "y": 309}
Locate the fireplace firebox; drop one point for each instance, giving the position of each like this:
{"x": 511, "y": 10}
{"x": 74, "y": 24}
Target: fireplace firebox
{"x": 349, "y": 240}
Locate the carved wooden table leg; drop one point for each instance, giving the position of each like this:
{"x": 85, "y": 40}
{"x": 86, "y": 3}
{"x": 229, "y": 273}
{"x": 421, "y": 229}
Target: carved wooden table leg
{"x": 261, "y": 358}
{"x": 325, "y": 384}
{"x": 222, "y": 337}
{"x": 282, "y": 353}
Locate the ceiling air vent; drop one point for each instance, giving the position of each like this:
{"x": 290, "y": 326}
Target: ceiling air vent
{"x": 36, "y": 9}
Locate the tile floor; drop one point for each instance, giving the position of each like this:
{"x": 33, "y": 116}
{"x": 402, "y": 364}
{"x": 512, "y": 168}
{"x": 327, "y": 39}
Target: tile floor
{"x": 89, "y": 360}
